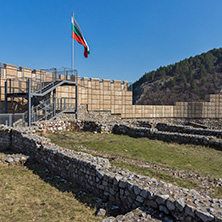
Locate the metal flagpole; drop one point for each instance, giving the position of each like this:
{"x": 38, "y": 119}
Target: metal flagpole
{"x": 72, "y": 46}
{"x": 73, "y": 19}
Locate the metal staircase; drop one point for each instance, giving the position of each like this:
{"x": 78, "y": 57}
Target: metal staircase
{"x": 41, "y": 95}
{"x": 49, "y": 109}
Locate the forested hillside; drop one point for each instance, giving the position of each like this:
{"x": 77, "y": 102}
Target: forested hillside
{"x": 188, "y": 80}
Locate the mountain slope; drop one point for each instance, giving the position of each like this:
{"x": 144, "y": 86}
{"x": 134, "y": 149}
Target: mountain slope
{"x": 186, "y": 81}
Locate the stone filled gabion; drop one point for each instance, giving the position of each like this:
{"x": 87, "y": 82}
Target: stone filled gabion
{"x": 120, "y": 187}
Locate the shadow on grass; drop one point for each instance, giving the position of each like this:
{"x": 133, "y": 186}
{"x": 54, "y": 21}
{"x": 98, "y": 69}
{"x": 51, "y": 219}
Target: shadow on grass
{"x": 79, "y": 193}
{"x": 88, "y": 198}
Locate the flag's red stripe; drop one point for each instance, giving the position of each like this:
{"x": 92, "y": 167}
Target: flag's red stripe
{"x": 81, "y": 41}
{"x": 78, "y": 39}
{"x": 86, "y": 53}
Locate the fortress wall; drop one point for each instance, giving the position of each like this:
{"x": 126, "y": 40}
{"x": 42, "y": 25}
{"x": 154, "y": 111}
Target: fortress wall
{"x": 2, "y": 88}
{"x": 103, "y": 95}
{"x": 106, "y": 95}
{"x": 98, "y": 95}
{"x": 10, "y": 71}
{"x": 216, "y": 99}
{"x": 211, "y": 109}
{"x": 147, "y": 111}
{"x": 94, "y": 94}
{"x": 24, "y": 72}
{"x": 2, "y": 85}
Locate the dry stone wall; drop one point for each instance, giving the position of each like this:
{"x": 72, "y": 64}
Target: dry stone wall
{"x": 5, "y": 138}
{"x": 123, "y": 188}
{"x": 188, "y": 130}
{"x": 135, "y": 128}
{"x": 153, "y": 133}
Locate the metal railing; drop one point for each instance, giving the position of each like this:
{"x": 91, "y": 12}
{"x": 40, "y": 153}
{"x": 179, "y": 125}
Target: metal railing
{"x": 48, "y": 109}
{"x": 46, "y": 79}
{"x": 17, "y": 85}
{"x": 51, "y": 76}
{"x": 13, "y": 120}
{"x": 65, "y": 103}
{"x": 44, "y": 111}
{"x": 2, "y": 71}
{"x": 20, "y": 85}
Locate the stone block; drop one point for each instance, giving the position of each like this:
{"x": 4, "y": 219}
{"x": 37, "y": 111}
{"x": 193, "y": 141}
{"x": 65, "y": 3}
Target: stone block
{"x": 204, "y": 216}
{"x": 163, "y": 209}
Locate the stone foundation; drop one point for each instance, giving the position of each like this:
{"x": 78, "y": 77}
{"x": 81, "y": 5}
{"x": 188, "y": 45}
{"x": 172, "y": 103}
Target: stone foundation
{"x": 135, "y": 128}
{"x": 121, "y": 187}
{"x": 169, "y": 136}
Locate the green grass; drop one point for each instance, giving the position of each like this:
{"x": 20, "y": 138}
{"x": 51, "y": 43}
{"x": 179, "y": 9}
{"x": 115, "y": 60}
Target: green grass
{"x": 191, "y": 158}
{"x": 26, "y": 197}
{"x": 157, "y": 174}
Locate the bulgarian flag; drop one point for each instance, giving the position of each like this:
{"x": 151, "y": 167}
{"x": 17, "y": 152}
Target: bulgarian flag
{"x": 78, "y": 36}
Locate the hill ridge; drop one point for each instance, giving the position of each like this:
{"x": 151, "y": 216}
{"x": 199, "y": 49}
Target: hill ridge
{"x": 189, "y": 80}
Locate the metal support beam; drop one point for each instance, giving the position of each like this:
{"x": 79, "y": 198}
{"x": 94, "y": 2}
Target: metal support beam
{"x": 10, "y": 120}
{"x": 40, "y": 89}
{"x": 6, "y": 97}
{"x": 54, "y": 75}
{"x": 54, "y": 102}
{"x": 10, "y": 85}
{"x": 76, "y": 100}
{"x": 29, "y": 103}
{"x": 32, "y": 111}
{"x": 64, "y": 105}
{"x": 48, "y": 110}
{"x": 76, "y": 94}
{"x": 23, "y": 120}
{"x": 45, "y": 112}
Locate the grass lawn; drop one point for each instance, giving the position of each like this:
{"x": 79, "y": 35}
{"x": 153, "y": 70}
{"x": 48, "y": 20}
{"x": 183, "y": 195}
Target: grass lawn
{"x": 199, "y": 159}
{"x": 190, "y": 158}
{"x": 24, "y": 196}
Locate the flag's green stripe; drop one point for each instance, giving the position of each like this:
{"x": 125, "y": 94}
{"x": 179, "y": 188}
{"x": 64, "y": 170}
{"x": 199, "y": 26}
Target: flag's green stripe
{"x": 76, "y": 31}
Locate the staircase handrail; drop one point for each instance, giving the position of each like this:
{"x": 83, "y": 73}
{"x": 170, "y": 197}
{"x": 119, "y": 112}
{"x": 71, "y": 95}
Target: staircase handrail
{"x": 47, "y": 106}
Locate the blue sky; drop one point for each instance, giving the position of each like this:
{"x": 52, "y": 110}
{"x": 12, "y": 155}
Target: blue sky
{"x": 126, "y": 37}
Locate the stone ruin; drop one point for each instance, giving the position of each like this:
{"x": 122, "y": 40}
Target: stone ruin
{"x": 122, "y": 188}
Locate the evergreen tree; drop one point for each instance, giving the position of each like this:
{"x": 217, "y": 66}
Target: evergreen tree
{"x": 184, "y": 79}
{"x": 203, "y": 72}
{"x": 156, "y": 88}
{"x": 193, "y": 85}
{"x": 203, "y": 81}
